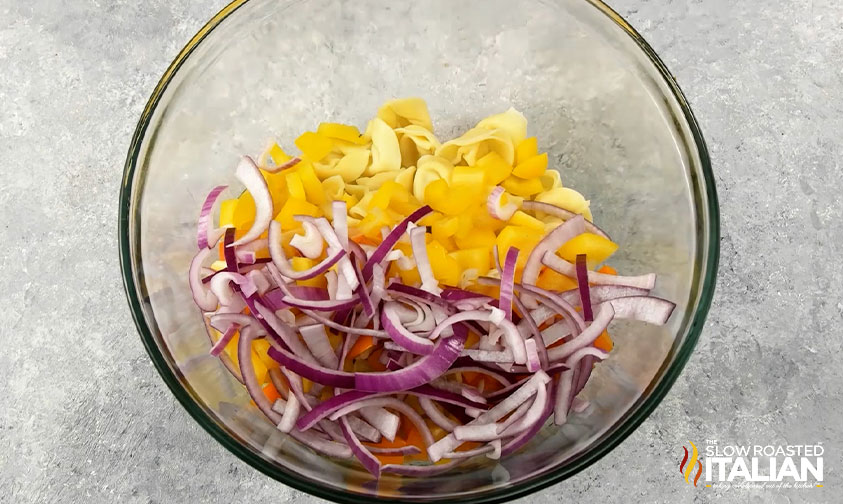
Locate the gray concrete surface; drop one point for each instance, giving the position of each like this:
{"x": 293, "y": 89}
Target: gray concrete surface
{"x": 85, "y": 418}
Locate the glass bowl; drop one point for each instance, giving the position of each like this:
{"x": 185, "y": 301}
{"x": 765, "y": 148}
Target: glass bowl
{"x": 599, "y": 100}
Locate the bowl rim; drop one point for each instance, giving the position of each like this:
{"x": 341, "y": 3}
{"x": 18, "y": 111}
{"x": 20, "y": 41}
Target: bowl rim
{"x": 504, "y": 494}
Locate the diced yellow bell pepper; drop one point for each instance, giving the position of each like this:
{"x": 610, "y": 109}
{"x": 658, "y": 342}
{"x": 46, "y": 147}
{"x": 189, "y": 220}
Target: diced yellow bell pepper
{"x": 476, "y": 238}
{"x": 384, "y": 195}
{"x": 495, "y": 168}
{"x": 227, "y": 209}
{"x": 277, "y": 184}
{"x": 261, "y": 348}
{"x": 473, "y": 258}
{"x": 522, "y": 187}
{"x": 523, "y": 238}
{"x": 519, "y": 218}
{"x": 596, "y": 249}
{"x": 445, "y": 228}
{"x": 244, "y": 213}
{"x": 339, "y": 131}
{"x": 445, "y": 268}
{"x": 293, "y": 207}
{"x": 468, "y": 175}
{"x": 532, "y": 168}
{"x": 310, "y": 183}
{"x": 370, "y": 226}
{"x": 314, "y": 146}
{"x": 295, "y": 186}
{"x": 278, "y": 155}
{"x": 553, "y": 281}
{"x": 441, "y": 198}
{"x": 526, "y": 149}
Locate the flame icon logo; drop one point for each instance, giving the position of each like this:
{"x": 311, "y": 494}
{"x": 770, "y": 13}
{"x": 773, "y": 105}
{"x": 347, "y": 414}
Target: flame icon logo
{"x": 686, "y": 467}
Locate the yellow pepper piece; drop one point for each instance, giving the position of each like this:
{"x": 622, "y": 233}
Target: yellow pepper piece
{"x": 445, "y": 268}
{"x": 340, "y": 132}
{"x": 522, "y": 187}
{"x": 303, "y": 263}
{"x": 604, "y": 342}
{"x": 313, "y": 145}
{"x": 478, "y": 259}
{"x": 404, "y": 112}
{"x": 596, "y": 249}
{"x": 525, "y": 239}
{"x": 244, "y": 213}
{"x": 293, "y": 207}
{"x": 519, "y": 218}
{"x": 310, "y": 182}
{"x": 227, "y": 208}
{"x": 384, "y": 194}
{"x": 476, "y": 238}
{"x": 278, "y": 155}
{"x": 444, "y": 228}
{"x": 370, "y": 226}
{"x": 568, "y": 199}
{"x": 496, "y": 169}
{"x": 261, "y": 348}
{"x": 473, "y": 176}
{"x": 526, "y": 149}
{"x": 512, "y": 122}
{"x": 441, "y": 198}
{"x": 531, "y": 168}
{"x": 551, "y": 280}
{"x": 295, "y": 186}
{"x": 386, "y": 154}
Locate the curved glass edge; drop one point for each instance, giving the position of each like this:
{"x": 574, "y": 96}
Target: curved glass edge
{"x": 712, "y": 253}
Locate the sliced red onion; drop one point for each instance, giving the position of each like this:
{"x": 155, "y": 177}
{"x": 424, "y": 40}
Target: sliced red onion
{"x": 317, "y": 342}
{"x": 560, "y": 305}
{"x": 436, "y": 416}
{"x": 587, "y": 337}
{"x": 386, "y": 245}
{"x": 549, "y": 244}
{"x": 532, "y": 415}
{"x": 649, "y": 309}
{"x": 508, "y": 404}
{"x": 313, "y": 372}
{"x": 533, "y": 329}
{"x": 481, "y": 370}
{"x": 488, "y": 355}
{"x": 424, "y": 370}
{"x": 275, "y": 169}
{"x": 229, "y": 252}
{"x": 339, "y": 212}
{"x": 562, "y": 214}
{"x": 360, "y": 331}
{"x": 290, "y": 415}
{"x": 428, "y": 281}
{"x": 362, "y": 429}
{"x": 394, "y": 404}
{"x": 369, "y": 461}
{"x": 522, "y": 439}
{"x": 330, "y": 305}
{"x": 495, "y": 207}
{"x": 398, "y": 450}
{"x": 385, "y": 422}
{"x": 476, "y": 432}
{"x": 324, "y": 446}
{"x": 221, "y": 343}
{"x": 259, "y": 280}
{"x": 247, "y": 371}
{"x": 401, "y": 335}
{"x": 204, "y": 298}
{"x": 250, "y": 175}
{"x": 206, "y": 233}
{"x": 310, "y": 244}
{"x": 279, "y": 258}
{"x": 533, "y": 362}
{"x": 363, "y": 292}
{"x": 420, "y": 471}
{"x": 285, "y": 333}
{"x": 508, "y": 281}
{"x": 222, "y": 289}
{"x": 556, "y": 263}
{"x": 582, "y": 283}
{"x": 601, "y": 293}
{"x": 510, "y": 332}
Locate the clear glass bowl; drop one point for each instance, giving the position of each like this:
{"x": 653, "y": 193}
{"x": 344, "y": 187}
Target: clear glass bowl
{"x": 597, "y": 97}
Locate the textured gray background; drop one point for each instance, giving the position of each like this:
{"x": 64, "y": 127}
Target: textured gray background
{"x": 85, "y": 418}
